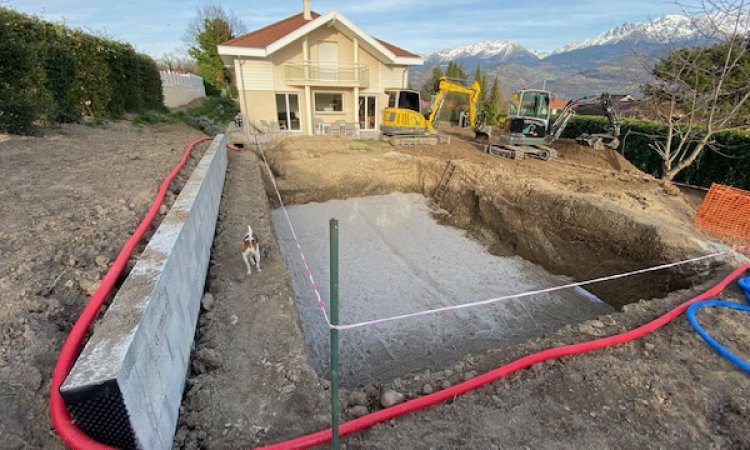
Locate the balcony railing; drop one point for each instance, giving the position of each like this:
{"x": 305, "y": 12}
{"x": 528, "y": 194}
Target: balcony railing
{"x": 328, "y": 74}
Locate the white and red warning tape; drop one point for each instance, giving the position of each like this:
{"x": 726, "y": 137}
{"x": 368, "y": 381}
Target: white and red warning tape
{"x": 308, "y": 272}
{"x": 490, "y": 301}
{"x": 529, "y": 293}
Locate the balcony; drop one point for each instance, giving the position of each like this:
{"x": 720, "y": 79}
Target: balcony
{"x": 321, "y": 74}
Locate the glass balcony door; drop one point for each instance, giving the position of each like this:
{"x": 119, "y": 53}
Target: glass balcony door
{"x": 288, "y": 112}
{"x": 367, "y": 112}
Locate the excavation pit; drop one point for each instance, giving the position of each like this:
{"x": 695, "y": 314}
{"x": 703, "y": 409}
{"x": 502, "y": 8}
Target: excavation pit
{"x": 395, "y": 259}
{"x": 585, "y": 215}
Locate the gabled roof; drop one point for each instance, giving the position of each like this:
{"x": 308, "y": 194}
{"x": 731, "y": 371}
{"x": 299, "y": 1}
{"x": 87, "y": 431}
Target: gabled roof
{"x": 267, "y": 40}
{"x": 263, "y": 37}
{"x": 398, "y": 51}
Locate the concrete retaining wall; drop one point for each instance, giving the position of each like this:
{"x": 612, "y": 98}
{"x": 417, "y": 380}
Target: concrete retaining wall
{"x": 125, "y": 388}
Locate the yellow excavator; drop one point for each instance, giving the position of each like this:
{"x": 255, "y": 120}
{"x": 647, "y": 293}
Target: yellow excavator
{"x": 404, "y": 124}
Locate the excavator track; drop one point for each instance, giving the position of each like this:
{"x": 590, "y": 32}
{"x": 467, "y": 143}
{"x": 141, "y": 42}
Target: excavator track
{"x": 517, "y": 152}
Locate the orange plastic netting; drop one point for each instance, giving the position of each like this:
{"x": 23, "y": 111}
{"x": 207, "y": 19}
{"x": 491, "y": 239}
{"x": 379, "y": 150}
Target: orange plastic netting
{"x": 725, "y": 213}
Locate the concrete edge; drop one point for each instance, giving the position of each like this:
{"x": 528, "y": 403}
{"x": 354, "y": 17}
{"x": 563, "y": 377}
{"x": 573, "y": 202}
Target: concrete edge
{"x": 126, "y": 387}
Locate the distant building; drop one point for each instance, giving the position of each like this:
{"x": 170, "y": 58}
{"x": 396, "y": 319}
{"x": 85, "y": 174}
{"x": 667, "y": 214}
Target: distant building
{"x": 556, "y": 105}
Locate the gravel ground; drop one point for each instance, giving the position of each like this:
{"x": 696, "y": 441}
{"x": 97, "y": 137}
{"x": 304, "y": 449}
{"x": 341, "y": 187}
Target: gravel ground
{"x": 69, "y": 201}
{"x": 71, "y": 198}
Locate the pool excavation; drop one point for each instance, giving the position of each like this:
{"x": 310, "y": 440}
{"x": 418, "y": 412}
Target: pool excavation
{"x": 395, "y": 259}
{"x": 502, "y": 227}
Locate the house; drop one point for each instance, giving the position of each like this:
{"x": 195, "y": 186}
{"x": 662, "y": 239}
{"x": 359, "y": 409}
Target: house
{"x": 556, "y": 105}
{"x": 310, "y": 71}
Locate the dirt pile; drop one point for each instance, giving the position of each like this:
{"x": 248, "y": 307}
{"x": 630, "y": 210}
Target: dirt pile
{"x": 70, "y": 200}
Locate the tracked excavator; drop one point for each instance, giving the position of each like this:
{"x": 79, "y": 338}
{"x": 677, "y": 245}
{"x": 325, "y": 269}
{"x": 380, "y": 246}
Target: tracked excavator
{"x": 403, "y": 124}
{"x": 527, "y": 131}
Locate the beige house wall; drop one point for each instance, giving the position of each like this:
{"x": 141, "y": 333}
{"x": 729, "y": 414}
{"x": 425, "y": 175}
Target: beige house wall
{"x": 257, "y": 102}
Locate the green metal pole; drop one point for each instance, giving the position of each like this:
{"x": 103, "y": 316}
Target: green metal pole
{"x": 334, "y": 275}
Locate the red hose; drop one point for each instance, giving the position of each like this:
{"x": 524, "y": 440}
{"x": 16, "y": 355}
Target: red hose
{"x": 322, "y": 437}
{"x": 235, "y": 148}
{"x": 73, "y": 436}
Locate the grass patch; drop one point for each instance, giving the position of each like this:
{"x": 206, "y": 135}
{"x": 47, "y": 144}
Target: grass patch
{"x": 211, "y": 116}
{"x": 153, "y": 117}
{"x": 218, "y": 109}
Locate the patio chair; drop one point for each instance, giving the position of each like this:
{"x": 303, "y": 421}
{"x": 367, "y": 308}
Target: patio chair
{"x": 265, "y": 127}
{"x": 318, "y": 125}
{"x": 351, "y": 129}
{"x": 338, "y": 127}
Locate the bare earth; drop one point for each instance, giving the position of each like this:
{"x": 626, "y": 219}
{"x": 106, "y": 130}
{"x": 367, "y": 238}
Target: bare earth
{"x": 668, "y": 390}
{"x": 70, "y": 200}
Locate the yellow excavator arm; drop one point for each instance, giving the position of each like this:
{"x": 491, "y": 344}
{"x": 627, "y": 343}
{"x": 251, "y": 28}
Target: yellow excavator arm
{"x": 403, "y": 117}
{"x": 445, "y": 86}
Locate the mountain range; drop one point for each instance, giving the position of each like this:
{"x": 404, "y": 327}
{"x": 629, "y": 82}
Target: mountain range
{"x": 617, "y": 60}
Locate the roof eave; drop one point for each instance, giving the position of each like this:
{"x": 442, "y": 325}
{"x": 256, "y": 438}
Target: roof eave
{"x": 236, "y": 50}
{"x": 407, "y": 61}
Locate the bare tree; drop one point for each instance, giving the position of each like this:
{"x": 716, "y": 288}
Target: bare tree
{"x": 212, "y": 26}
{"x": 176, "y": 61}
{"x": 213, "y": 12}
{"x": 700, "y": 91}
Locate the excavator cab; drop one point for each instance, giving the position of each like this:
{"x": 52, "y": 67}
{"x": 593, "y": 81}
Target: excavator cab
{"x": 528, "y": 117}
{"x": 404, "y": 98}
{"x": 402, "y": 116}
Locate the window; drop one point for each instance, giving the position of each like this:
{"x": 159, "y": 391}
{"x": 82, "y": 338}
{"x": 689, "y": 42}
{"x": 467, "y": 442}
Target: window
{"x": 531, "y": 104}
{"x": 409, "y": 100}
{"x": 329, "y": 102}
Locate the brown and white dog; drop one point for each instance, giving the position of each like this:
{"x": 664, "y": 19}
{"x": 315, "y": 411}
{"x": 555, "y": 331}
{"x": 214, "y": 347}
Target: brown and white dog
{"x": 251, "y": 248}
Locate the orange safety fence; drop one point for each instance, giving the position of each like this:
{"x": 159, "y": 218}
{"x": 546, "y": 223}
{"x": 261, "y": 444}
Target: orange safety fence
{"x": 725, "y": 213}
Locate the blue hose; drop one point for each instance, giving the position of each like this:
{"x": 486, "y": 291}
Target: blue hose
{"x": 745, "y": 285}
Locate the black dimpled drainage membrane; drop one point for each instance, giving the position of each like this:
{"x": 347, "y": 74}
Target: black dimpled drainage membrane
{"x": 100, "y": 412}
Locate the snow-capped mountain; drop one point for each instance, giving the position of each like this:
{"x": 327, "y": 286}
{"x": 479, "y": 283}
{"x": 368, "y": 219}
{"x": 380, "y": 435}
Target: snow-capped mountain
{"x": 670, "y": 28}
{"x": 538, "y": 53}
{"x": 606, "y": 61}
{"x": 485, "y": 53}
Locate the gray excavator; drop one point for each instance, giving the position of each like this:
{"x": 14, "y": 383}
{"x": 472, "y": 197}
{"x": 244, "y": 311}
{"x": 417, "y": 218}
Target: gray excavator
{"x": 527, "y": 131}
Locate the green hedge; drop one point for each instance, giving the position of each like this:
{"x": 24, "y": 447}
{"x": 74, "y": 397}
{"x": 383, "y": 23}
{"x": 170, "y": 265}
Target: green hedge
{"x": 732, "y": 169}
{"x": 51, "y": 73}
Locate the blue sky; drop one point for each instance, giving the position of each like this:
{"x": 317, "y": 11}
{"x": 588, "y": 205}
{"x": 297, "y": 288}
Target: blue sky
{"x": 423, "y": 26}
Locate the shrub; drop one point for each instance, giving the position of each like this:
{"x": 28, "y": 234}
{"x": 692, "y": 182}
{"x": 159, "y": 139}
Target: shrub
{"x": 52, "y": 73}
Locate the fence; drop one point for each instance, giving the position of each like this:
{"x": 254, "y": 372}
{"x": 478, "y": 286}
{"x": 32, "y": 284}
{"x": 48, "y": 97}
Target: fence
{"x": 181, "y": 88}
